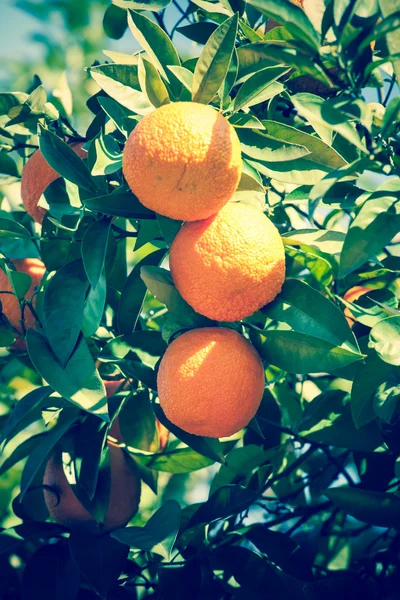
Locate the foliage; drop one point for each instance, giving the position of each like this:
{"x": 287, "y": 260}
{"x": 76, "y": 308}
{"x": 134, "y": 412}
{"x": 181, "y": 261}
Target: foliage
{"x": 304, "y": 503}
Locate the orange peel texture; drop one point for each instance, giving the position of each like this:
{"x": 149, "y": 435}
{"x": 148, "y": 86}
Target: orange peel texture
{"x": 210, "y": 382}
{"x": 230, "y": 265}
{"x": 183, "y": 161}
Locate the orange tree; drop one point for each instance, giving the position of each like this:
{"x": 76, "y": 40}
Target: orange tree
{"x": 103, "y": 352}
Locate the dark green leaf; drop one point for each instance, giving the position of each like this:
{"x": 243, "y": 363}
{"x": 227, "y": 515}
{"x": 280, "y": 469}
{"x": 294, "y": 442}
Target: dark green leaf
{"x": 64, "y": 160}
{"x": 51, "y": 573}
{"x": 23, "y": 450}
{"x": 94, "y": 249}
{"x": 107, "y": 157}
{"x": 159, "y": 282}
{"x": 159, "y": 533}
{"x": 385, "y": 340}
{"x": 137, "y": 423}
{"x": 25, "y": 411}
{"x": 260, "y": 146}
{"x": 198, "y": 32}
{"x": 120, "y": 203}
{"x": 181, "y": 460}
{"x": 213, "y": 64}
{"x": 258, "y": 88}
{"x": 12, "y": 229}
{"x": 224, "y": 502}
{"x": 7, "y": 165}
{"x": 79, "y": 382}
{"x": 114, "y": 22}
{"x": 152, "y": 84}
{"x": 375, "y": 508}
{"x": 121, "y": 83}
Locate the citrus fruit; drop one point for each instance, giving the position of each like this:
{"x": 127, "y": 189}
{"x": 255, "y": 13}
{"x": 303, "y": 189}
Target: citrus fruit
{"x": 210, "y": 382}
{"x": 351, "y": 295}
{"x": 228, "y": 266}
{"x": 11, "y": 308}
{"x": 37, "y": 174}
{"x": 66, "y": 509}
{"x": 183, "y": 161}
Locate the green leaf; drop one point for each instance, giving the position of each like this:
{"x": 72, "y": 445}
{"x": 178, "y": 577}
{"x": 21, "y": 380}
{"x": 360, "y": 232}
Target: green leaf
{"x": 375, "y": 508}
{"x": 327, "y": 420}
{"x": 79, "y": 382}
{"x": 373, "y": 371}
{"x": 224, "y": 502}
{"x": 63, "y": 306}
{"x": 389, "y": 7}
{"x": 245, "y": 120}
{"x": 158, "y": 46}
{"x": 258, "y": 87}
{"x": 7, "y": 165}
{"x": 384, "y": 338}
{"x": 7, "y": 337}
{"x": 168, "y": 227}
{"x": 51, "y": 573}
{"x": 307, "y": 311}
{"x": 181, "y": 460}
{"x": 198, "y": 32}
{"x": 43, "y": 450}
{"x": 20, "y": 282}
{"x": 212, "y": 448}
{"x": 240, "y": 463}
{"x": 260, "y": 146}
{"x": 23, "y": 450}
{"x": 322, "y": 115}
{"x": 94, "y": 307}
{"x": 151, "y": 83}
{"x": 100, "y": 559}
{"x": 117, "y": 113}
{"x": 121, "y": 83}
{"x": 94, "y": 249}
{"x": 114, "y": 22}
{"x": 159, "y": 282}
{"x": 12, "y": 229}
{"x": 184, "y": 75}
{"x": 391, "y": 117}
{"x": 10, "y": 99}
{"x": 374, "y": 306}
{"x": 120, "y": 203}
{"x": 292, "y": 17}
{"x": 213, "y": 64}
{"x": 64, "y": 160}
{"x": 377, "y": 222}
{"x": 137, "y": 423}
{"x": 301, "y": 353}
{"x": 134, "y": 292}
{"x": 107, "y": 155}
{"x": 148, "y": 346}
{"x": 320, "y": 269}
{"x": 159, "y": 533}
{"x": 25, "y": 411}
{"x": 154, "y": 5}
{"x": 329, "y": 242}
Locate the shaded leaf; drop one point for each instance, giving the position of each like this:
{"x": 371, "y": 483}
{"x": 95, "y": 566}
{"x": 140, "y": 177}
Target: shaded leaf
{"x": 375, "y": 508}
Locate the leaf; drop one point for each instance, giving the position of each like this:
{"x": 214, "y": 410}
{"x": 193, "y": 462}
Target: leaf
{"x": 374, "y": 306}
{"x": 94, "y": 249}
{"x": 211, "y": 448}
{"x": 154, "y": 5}
{"x": 79, "y": 382}
{"x": 114, "y": 22}
{"x": 23, "y": 450}
{"x": 159, "y": 533}
{"x": 168, "y": 227}
{"x": 322, "y": 115}
{"x": 245, "y": 120}
{"x": 42, "y": 451}
{"x": 64, "y": 160}
{"x": 159, "y": 282}
{"x": 116, "y": 112}
{"x": 224, "y": 502}
{"x": 258, "y": 87}
{"x": 94, "y": 307}
{"x": 292, "y": 17}
{"x": 184, "y": 75}
{"x": 375, "y": 508}
{"x": 260, "y": 146}
{"x": 239, "y": 465}
{"x": 389, "y": 7}
{"x": 213, "y": 63}
{"x": 7, "y": 165}
{"x": 63, "y": 306}
{"x": 384, "y": 338}
{"x": 152, "y": 84}
{"x": 134, "y": 292}
{"x": 10, "y": 99}
{"x": 51, "y": 573}
{"x": 309, "y": 312}
{"x": 181, "y": 460}
{"x": 107, "y": 155}
{"x": 25, "y": 411}
{"x": 377, "y": 222}
{"x": 20, "y": 281}
{"x": 327, "y": 420}
{"x": 137, "y": 423}
{"x": 157, "y": 44}
{"x": 121, "y": 83}
{"x": 12, "y": 229}
{"x": 120, "y": 203}
{"x": 373, "y": 371}
{"x": 301, "y": 353}
{"x": 329, "y": 242}
{"x": 198, "y": 32}
{"x": 100, "y": 559}
{"x": 148, "y": 346}
{"x": 89, "y": 445}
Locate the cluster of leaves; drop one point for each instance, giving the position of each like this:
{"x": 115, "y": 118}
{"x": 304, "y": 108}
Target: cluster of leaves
{"x": 277, "y": 524}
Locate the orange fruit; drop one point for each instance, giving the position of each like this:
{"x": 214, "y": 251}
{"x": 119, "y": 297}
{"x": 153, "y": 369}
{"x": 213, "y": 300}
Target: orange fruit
{"x": 230, "y": 265}
{"x": 11, "y": 308}
{"x": 115, "y": 431}
{"x": 66, "y": 509}
{"x": 350, "y": 296}
{"x": 210, "y": 382}
{"x": 37, "y": 174}
{"x": 183, "y": 161}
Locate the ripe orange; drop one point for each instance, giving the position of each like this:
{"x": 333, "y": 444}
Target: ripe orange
{"x": 115, "y": 431}
{"x": 36, "y": 269}
{"x": 350, "y": 296}
{"x": 183, "y": 161}
{"x": 66, "y": 509}
{"x": 210, "y": 382}
{"x": 230, "y": 265}
{"x": 37, "y": 174}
